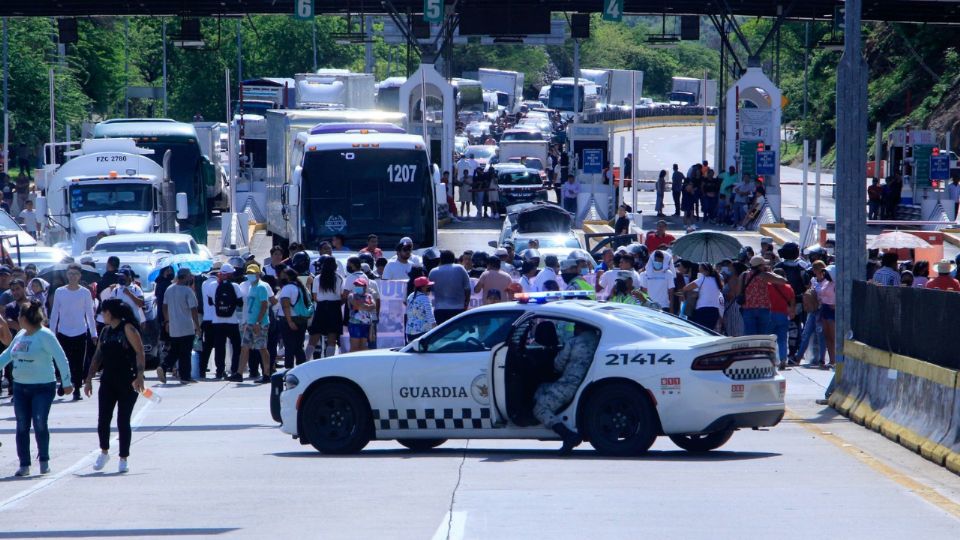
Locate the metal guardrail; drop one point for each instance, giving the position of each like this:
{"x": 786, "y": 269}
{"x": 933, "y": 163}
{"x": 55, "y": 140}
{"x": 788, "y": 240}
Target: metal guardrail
{"x": 646, "y": 112}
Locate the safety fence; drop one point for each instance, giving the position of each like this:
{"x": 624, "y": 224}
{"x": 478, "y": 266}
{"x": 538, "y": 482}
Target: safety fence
{"x": 908, "y": 321}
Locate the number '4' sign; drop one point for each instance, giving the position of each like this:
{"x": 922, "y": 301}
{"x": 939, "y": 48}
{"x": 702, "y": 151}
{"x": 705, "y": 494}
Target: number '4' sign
{"x": 613, "y": 10}
{"x": 433, "y": 11}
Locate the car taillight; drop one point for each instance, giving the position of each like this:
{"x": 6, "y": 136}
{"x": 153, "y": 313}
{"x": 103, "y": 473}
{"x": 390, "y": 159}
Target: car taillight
{"x": 723, "y": 360}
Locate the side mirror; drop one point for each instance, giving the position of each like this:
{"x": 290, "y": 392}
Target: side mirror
{"x": 421, "y": 346}
{"x": 183, "y": 210}
{"x": 293, "y": 194}
{"x": 492, "y": 243}
{"x": 40, "y": 205}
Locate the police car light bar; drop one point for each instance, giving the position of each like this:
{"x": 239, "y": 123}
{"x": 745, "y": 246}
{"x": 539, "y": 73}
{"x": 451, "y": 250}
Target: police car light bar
{"x": 549, "y": 296}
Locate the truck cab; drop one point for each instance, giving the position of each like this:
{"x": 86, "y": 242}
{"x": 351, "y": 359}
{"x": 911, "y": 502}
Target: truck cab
{"x": 109, "y": 187}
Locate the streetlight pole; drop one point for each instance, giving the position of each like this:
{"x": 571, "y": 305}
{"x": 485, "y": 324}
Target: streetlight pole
{"x": 6, "y": 101}
{"x": 163, "y": 37}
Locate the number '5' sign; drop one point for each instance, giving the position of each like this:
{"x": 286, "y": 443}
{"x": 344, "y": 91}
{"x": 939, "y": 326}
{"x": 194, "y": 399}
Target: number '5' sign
{"x": 433, "y": 11}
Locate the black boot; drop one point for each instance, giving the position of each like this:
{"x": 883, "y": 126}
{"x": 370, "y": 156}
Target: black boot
{"x": 570, "y": 438}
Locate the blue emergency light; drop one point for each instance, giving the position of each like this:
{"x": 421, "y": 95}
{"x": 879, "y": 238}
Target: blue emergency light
{"x": 552, "y": 296}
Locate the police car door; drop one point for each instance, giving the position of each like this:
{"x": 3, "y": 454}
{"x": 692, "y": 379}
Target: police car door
{"x": 443, "y": 383}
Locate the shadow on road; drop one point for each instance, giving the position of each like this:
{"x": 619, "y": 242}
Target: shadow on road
{"x": 108, "y": 533}
{"x": 149, "y": 429}
{"x": 506, "y": 455}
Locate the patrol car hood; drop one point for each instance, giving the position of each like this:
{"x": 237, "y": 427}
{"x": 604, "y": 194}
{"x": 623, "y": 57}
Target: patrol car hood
{"x": 347, "y": 364}
{"x": 113, "y": 223}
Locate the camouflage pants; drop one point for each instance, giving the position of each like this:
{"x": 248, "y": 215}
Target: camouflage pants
{"x": 548, "y": 400}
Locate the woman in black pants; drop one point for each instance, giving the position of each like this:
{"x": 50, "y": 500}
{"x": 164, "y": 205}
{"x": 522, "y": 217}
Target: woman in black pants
{"x": 120, "y": 355}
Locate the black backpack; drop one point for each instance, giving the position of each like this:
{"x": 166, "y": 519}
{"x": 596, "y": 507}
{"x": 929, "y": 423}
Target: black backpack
{"x": 796, "y": 278}
{"x": 225, "y": 300}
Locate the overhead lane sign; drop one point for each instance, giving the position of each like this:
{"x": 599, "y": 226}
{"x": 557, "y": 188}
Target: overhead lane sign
{"x": 612, "y": 10}
{"x": 303, "y": 10}
{"x": 433, "y": 11}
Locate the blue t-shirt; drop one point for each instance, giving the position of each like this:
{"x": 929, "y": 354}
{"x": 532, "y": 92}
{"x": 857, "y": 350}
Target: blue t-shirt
{"x": 259, "y": 292}
{"x": 33, "y": 357}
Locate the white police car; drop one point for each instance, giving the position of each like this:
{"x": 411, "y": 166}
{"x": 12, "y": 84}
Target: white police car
{"x": 475, "y": 376}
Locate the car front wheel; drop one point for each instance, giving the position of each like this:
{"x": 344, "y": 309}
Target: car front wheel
{"x": 336, "y": 419}
{"x": 702, "y": 443}
{"x": 619, "y": 421}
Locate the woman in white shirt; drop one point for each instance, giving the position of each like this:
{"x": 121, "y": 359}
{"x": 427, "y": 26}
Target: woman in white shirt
{"x": 72, "y": 320}
{"x": 328, "y": 316}
{"x": 708, "y": 286}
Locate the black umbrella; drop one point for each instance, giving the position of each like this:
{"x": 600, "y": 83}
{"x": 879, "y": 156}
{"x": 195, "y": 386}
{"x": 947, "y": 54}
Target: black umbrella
{"x": 56, "y": 275}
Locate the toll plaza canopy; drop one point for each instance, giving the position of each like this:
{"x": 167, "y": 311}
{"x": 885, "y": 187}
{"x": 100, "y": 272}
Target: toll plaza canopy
{"x": 932, "y": 11}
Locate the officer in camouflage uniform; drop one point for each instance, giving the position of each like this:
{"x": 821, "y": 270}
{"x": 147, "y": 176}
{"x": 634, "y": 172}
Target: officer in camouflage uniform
{"x": 572, "y": 362}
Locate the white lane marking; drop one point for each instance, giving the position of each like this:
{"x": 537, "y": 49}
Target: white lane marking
{"x": 79, "y": 464}
{"x": 451, "y": 527}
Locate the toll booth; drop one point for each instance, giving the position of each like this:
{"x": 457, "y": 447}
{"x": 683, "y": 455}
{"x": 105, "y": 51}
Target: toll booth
{"x": 590, "y": 148}
{"x": 440, "y": 116}
{"x": 754, "y": 107}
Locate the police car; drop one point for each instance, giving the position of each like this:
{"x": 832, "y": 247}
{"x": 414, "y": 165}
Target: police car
{"x": 474, "y": 377}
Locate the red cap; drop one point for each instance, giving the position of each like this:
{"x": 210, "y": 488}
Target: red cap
{"x": 360, "y": 281}
{"x": 422, "y": 281}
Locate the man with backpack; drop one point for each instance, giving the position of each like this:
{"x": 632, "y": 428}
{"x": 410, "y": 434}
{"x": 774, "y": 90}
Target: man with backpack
{"x": 799, "y": 279}
{"x": 222, "y": 300}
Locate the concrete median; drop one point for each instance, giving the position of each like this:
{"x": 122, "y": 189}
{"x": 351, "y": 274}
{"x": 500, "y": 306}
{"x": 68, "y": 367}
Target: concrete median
{"x": 909, "y": 401}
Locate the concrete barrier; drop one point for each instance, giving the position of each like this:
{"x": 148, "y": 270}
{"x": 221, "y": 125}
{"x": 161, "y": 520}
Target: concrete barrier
{"x": 909, "y": 401}
{"x": 780, "y": 233}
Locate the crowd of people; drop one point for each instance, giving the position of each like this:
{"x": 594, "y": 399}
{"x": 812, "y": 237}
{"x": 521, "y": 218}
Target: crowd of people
{"x": 701, "y": 195}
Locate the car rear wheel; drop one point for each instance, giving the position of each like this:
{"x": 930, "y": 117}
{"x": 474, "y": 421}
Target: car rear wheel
{"x": 619, "y": 421}
{"x": 702, "y": 443}
{"x": 421, "y": 445}
{"x": 336, "y": 419}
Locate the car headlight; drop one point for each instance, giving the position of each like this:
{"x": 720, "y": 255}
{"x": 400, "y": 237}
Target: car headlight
{"x": 290, "y": 381}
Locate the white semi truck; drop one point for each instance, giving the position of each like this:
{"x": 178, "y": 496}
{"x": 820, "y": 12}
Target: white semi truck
{"x": 335, "y": 88}
{"x": 109, "y": 186}
{"x": 690, "y": 91}
{"x": 508, "y": 84}
{"x": 614, "y": 86}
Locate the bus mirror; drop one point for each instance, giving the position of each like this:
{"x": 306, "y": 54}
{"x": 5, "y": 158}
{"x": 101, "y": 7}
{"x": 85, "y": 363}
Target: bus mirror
{"x": 293, "y": 195}
{"x": 41, "y": 206}
{"x": 182, "y": 208}
{"x": 436, "y": 174}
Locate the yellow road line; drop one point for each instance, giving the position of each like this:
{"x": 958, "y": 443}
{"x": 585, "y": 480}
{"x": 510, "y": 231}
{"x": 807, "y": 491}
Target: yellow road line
{"x": 925, "y": 492}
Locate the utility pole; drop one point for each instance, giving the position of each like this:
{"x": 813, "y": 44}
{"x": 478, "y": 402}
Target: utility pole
{"x": 163, "y": 37}
{"x": 314, "y": 44}
{"x": 239, "y": 54}
{"x": 850, "y": 179}
{"x": 6, "y": 101}
{"x": 576, "y": 79}
{"x": 126, "y": 67}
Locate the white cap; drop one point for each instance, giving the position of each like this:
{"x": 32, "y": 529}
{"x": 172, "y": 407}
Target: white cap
{"x": 406, "y": 240}
{"x": 227, "y": 268}
{"x": 501, "y": 252}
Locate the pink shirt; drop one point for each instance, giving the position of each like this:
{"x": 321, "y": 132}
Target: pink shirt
{"x": 826, "y": 292}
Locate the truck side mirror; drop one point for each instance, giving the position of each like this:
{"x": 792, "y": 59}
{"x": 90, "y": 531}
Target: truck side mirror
{"x": 293, "y": 194}
{"x": 40, "y": 205}
{"x": 182, "y": 207}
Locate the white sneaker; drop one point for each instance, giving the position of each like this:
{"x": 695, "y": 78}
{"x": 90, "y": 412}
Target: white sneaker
{"x": 122, "y": 466}
{"x": 22, "y": 471}
{"x": 102, "y": 460}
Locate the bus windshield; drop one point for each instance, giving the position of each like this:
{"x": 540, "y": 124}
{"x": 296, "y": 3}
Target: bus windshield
{"x": 386, "y": 192}
{"x": 561, "y": 97}
{"x": 111, "y": 197}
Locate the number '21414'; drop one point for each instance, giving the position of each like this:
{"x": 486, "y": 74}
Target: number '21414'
{"x": 625, "y": 359}
{"x": 401, "y": 173}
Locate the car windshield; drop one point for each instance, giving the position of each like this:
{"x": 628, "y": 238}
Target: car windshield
{"x": 548, "y": 242}
{"x": 654, "y": 322}
{"x": 7, "y": 223}
{"x": 522, "y": 136}
{"x": 530, "y": 163}
{"x": 177, "y": 248}
{"x": 482, "y": 151}
{"x": 518, "y": 177}
{"x": 112, "y": 197}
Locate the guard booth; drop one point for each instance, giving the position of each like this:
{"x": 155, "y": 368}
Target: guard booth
{"x": 590, "y": 148}
{"x": 754, "y": 106}
{"x": 440, "y": 117}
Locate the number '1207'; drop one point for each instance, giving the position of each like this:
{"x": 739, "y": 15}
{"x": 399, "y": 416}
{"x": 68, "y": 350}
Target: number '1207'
{"x": 625, "y": 359}
{"x": 401, "y": 173}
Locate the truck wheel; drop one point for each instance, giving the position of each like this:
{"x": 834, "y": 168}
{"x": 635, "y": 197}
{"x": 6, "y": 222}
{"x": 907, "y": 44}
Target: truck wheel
{"x": 336, "y": 419}
{"x": 421, "y": 445}
{"x": 619, "y": 421}
{"x": 702, "y": 443}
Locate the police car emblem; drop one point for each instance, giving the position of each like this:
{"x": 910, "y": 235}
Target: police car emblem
{"x": 480, "y": 389}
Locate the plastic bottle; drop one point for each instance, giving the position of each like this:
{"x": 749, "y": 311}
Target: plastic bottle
{"x": 151, "y": 395}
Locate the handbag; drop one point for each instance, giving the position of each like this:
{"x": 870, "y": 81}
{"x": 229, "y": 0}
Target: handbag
{"x": 811, "y": 303}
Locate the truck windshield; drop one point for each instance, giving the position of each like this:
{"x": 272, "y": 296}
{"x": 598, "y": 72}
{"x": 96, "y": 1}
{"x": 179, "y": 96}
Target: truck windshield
{"x": 522, "y": 136}
{"x": 387, "y": 192}
{"x": 186, "y": 168}
{"x": 388, "y": 99}
{"x": 561, "y": 97}
{"x": 116, "y": 197}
